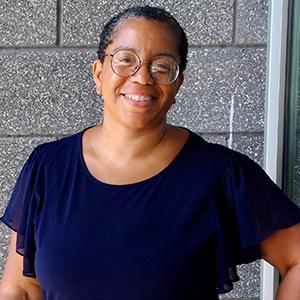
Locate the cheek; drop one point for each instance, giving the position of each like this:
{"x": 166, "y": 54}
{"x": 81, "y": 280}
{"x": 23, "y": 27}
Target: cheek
{"x": 111, "y": 85}
{"x": 108, "y": 77}
{"x": 171, "y": 92}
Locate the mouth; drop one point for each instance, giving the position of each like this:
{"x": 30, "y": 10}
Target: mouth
{"x": 139, "y": 98}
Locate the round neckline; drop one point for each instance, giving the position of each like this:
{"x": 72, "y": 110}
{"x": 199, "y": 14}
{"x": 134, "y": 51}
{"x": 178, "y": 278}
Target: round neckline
{"x": 89, "y": 175}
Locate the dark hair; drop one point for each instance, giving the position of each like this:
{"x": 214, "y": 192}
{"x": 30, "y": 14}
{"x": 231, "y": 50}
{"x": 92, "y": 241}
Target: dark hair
{"x": 149, "y": 13}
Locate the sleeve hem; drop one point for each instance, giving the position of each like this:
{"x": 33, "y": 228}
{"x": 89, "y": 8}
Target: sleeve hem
{"x": 26, "y": 274}
{"x": 271, "y": 232}
{"x": 7, "y": 224}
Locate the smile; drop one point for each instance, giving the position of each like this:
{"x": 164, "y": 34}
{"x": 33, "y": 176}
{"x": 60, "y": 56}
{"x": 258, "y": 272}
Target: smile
{"x": 139, "y": 98}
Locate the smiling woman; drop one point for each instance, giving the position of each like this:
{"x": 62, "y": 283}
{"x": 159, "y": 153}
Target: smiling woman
{"x": 158, "y": 212}
{"x": 124, "y": 96}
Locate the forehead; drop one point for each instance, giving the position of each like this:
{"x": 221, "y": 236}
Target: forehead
{"x": 144, "y": 35}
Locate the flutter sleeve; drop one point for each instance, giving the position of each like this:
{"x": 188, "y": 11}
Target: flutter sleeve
{"x": 251, "y": 208}
{"x": 19, "y": 214}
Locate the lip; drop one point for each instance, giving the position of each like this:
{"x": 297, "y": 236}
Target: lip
{"x": 139, "y": 100}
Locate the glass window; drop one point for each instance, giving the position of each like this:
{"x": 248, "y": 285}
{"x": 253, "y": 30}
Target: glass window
{"x": 291, "y": 176}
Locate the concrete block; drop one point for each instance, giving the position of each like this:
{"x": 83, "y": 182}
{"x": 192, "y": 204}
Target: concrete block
{"x": 82, "y": 23}
{"x": 249, "y": 96}
{"x": 53, "y": 92}
{"x": 205, "y": 21}
{"x": 223, "y": 91}
{"x": 249, "y": 285}
{"x": 47, "y": 92}
{"x": 252, "y": 21}
{"x": 28, "y": 22}
{"x": 251, "y": 145}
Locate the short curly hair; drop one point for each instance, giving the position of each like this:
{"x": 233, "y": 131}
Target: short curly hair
{"x": 149, "y": 13}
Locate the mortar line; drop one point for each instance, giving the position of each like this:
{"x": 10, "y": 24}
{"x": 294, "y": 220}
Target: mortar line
{"x": 251, "y": 133}
{"x": 59, "y": 23}
{"x": 54, "y": 47}
{"x": 234, "y": 21}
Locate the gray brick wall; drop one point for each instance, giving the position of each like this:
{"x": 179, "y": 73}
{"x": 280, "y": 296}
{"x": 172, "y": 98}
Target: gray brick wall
{"x": 47, "y": 91}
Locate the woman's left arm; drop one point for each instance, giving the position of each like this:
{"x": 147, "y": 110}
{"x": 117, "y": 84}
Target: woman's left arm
{"x": 282, "y": 250}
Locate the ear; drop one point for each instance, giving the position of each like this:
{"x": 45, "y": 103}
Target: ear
{"x": 97, "y": 71}
{"x": 179, "y": 83}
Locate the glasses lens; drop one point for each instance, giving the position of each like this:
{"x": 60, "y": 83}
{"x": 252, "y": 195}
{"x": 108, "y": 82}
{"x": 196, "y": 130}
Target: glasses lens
{"x": 124, "y": 63}
{"x": 164, "y": 70}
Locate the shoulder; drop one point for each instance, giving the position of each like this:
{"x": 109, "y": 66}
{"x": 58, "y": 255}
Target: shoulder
{"x": 201, "y": 147}
{"x": 218, "y": 157}
{"x": 199, "y": 144}
{"x": 59, "y": 149}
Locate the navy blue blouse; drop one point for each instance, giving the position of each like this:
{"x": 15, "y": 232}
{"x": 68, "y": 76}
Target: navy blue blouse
{"x": 178, "y": 235}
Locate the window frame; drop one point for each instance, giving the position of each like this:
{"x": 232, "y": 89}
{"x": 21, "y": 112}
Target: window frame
{"x": 277, "y": 52}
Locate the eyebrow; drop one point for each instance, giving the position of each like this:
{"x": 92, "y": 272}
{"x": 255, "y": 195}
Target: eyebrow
{"x": 133, "y": 50}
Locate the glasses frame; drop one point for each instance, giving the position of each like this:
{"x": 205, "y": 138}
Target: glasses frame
{"x": 140, "y": 63}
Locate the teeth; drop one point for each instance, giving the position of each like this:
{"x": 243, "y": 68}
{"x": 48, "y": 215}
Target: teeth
{"x": 139, "y": 98}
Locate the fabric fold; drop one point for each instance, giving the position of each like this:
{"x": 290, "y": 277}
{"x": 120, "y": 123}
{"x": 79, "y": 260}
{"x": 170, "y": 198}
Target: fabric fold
{"x": 250, "y": 208}
{"x": 19, "y": 215}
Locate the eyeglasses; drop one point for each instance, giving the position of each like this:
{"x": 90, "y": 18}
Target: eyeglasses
{"x": 164, "y": 69}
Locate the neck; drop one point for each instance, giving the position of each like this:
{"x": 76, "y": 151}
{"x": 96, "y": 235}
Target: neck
{"x": 128, "y": 143}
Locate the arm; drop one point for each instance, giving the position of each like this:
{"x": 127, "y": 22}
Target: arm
{"x": 282, "y": 250}
{"x": 15, "y": 286}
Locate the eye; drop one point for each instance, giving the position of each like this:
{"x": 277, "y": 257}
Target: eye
{"x": 124, "y": 61}
{"x": 125, "y": 58}
{"x": 163, "y": 68}
{"x": 160, "y": 66}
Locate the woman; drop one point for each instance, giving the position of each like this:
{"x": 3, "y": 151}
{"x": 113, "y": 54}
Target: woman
{"x": 135, "y": 208}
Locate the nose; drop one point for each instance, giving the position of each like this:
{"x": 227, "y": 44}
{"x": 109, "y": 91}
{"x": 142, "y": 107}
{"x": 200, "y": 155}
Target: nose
{"x": 143, "y": 75}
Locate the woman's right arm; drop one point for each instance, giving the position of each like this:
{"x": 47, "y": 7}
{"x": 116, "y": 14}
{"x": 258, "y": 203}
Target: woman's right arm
{"x": 15, "y": 286}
